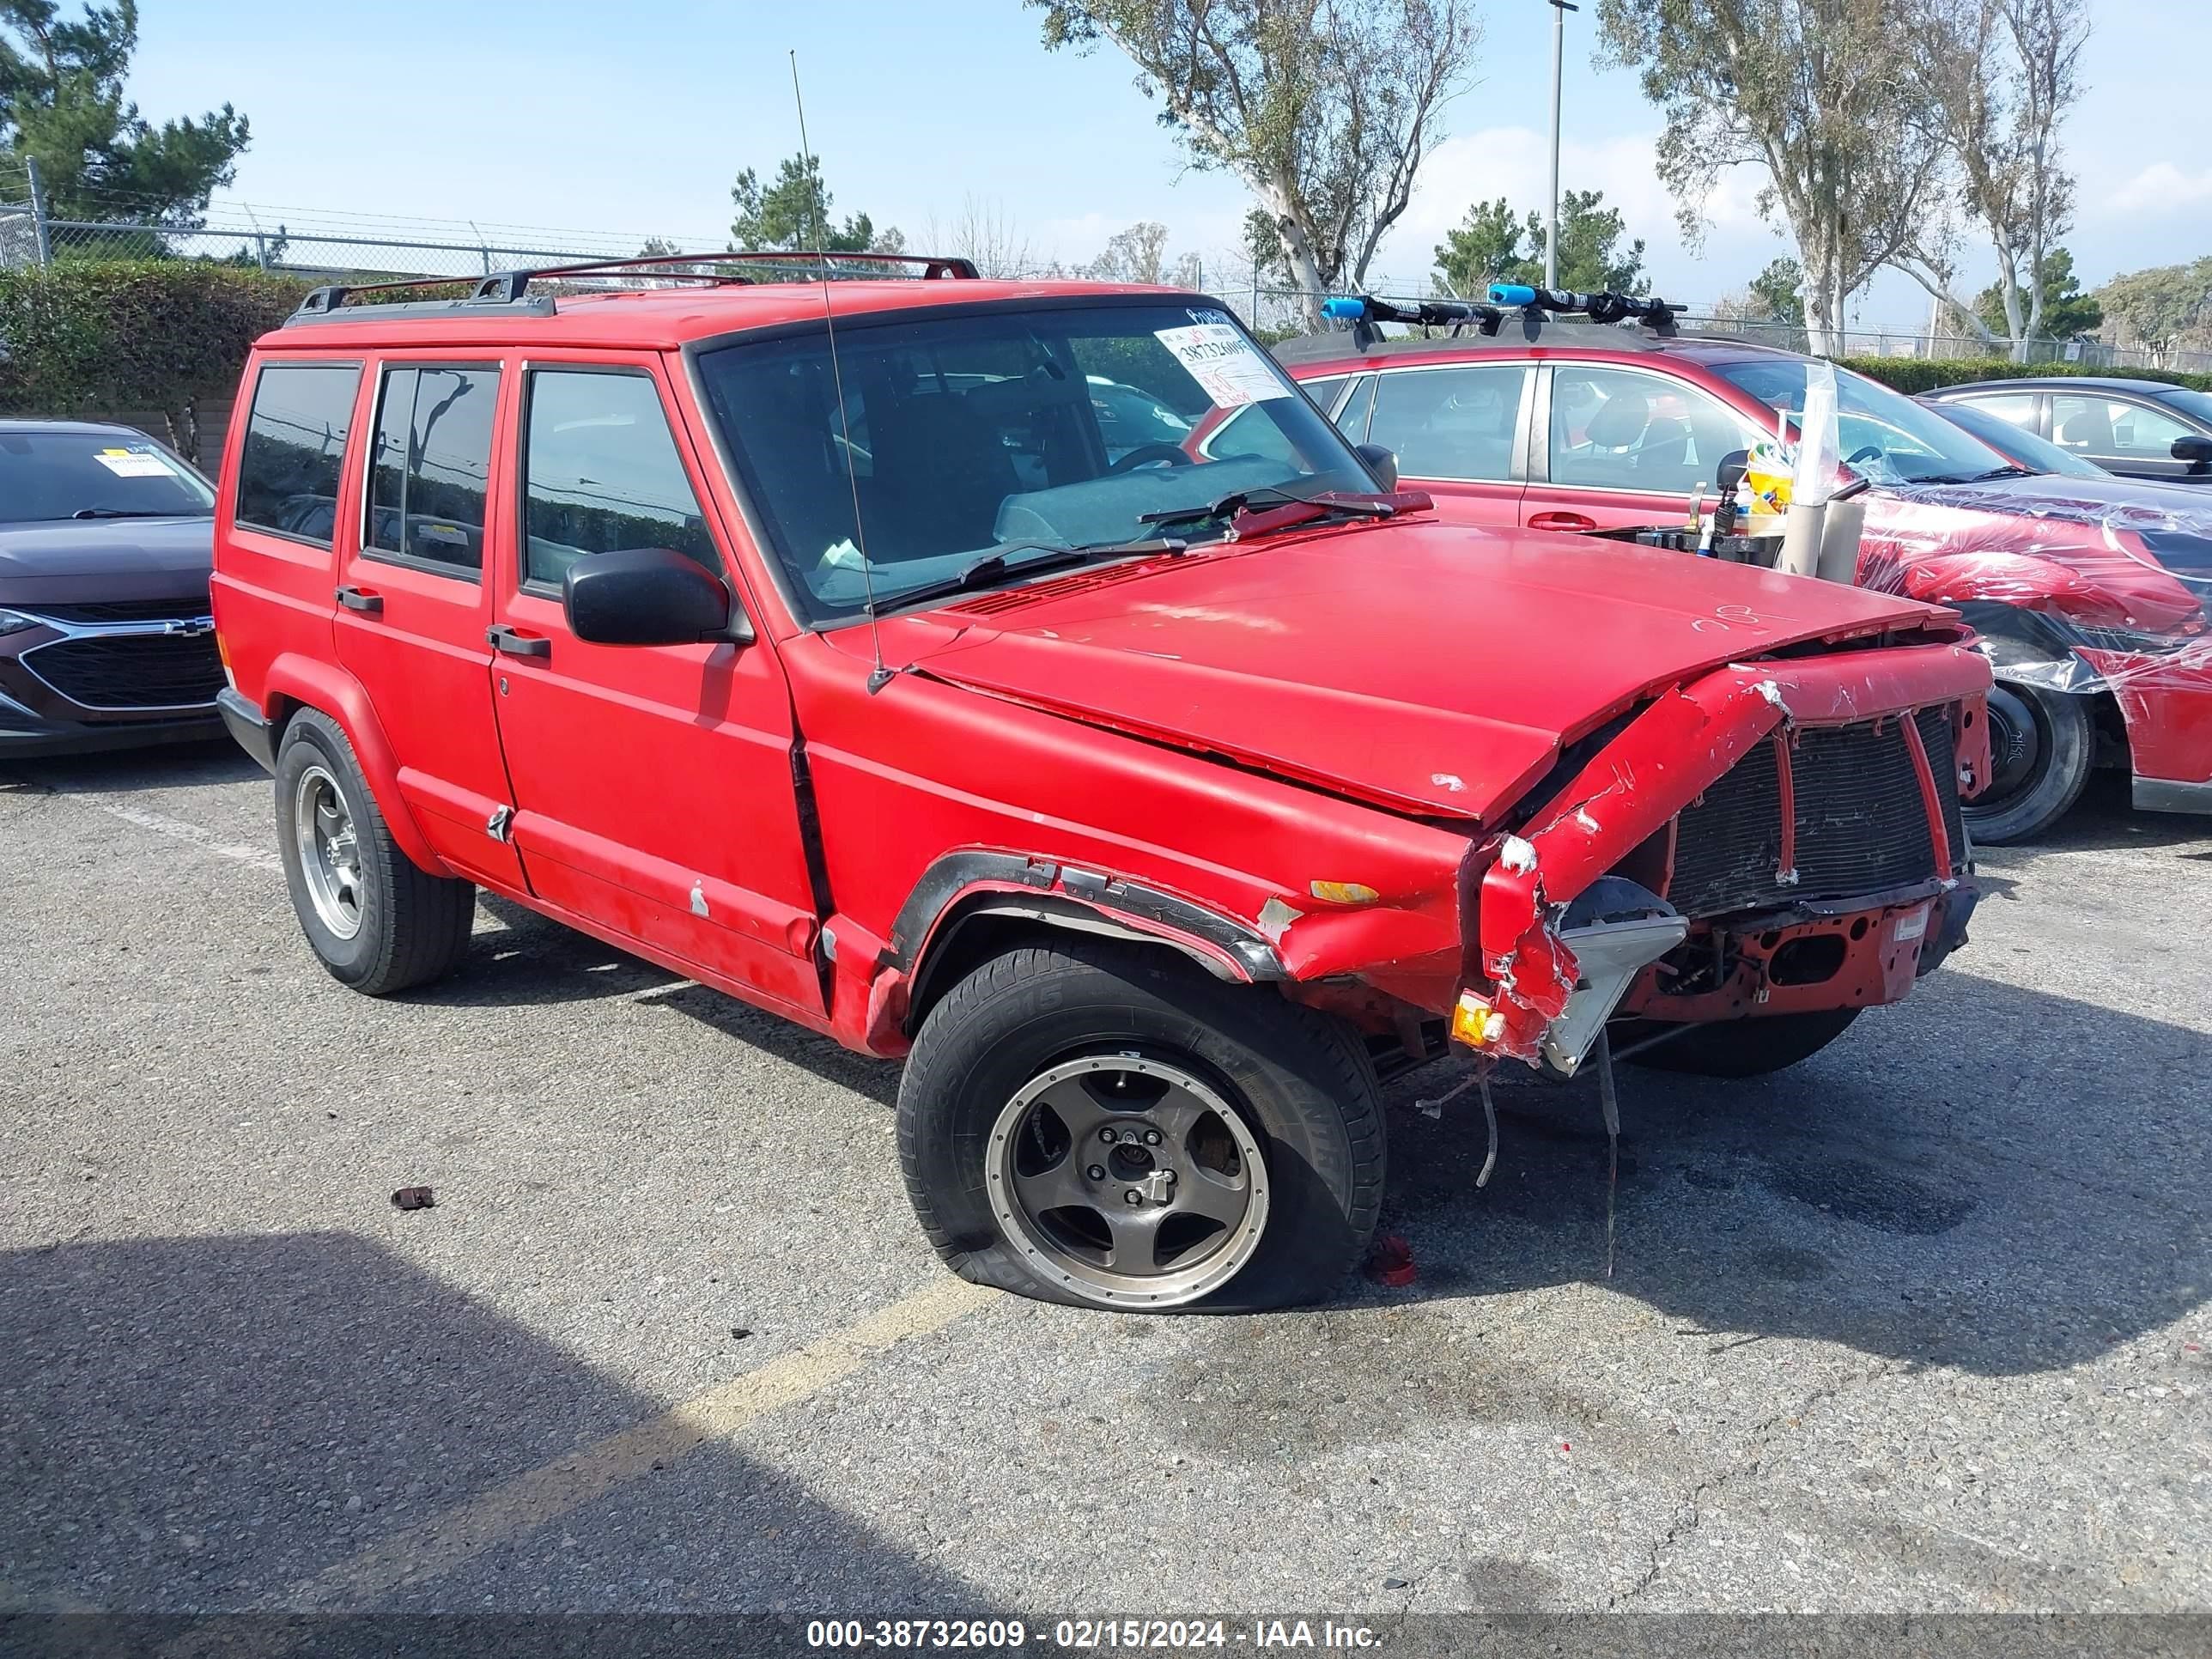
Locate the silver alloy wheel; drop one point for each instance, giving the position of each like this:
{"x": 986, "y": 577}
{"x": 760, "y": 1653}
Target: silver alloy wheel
{"x": 330, "y": 850}
{"x": 1127, "y": 1182}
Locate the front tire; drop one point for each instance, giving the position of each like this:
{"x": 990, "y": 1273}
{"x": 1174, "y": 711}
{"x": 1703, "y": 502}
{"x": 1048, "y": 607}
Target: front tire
{"x": 1740, "y": 1048}
{"x": 377, "y": 921}
{"x": 2042, "y": 745}
{"x": 1244, "y": 1167}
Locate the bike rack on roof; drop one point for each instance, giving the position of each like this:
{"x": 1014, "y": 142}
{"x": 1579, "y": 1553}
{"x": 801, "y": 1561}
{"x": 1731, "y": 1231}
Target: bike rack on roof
{"x": 1364, "y": 311}
{"x": 511, "y": 287}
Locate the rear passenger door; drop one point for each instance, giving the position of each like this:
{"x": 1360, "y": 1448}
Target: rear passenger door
{"x": 1457, "y": 431}
{"x": 653, "y": 784}
{"x": 413, "y": 605}
{"x": 1625, "y": 447}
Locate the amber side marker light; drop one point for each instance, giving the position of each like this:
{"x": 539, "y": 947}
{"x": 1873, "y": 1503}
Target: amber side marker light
{"x": 1343, "y": 892}
{"x": 1475, "y": 1023}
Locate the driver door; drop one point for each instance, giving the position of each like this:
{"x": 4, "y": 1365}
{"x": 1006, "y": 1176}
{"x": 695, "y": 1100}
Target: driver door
{"x": 653, "y": 784}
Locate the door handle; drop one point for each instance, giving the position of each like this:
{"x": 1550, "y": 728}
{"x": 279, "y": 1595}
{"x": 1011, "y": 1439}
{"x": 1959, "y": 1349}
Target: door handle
{"x": 1562, "y": 521}
{"x": 360, "y": 599}
{"x": 505, "y": 639}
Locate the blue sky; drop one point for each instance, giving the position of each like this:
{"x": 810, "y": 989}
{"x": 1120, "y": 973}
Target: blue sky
{"x": 633, "y": 118}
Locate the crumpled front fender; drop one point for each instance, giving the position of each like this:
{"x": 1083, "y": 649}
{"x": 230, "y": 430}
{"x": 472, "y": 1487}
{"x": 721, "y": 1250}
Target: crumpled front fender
{"x": 1662, "y": 761}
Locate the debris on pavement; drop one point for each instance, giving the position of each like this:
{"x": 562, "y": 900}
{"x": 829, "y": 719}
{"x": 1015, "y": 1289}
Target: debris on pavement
{"x": 1391, "y": 1262}
{"x": 413, "y": 1198}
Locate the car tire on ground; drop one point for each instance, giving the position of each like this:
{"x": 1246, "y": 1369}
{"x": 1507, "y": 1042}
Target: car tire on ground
{"x": 2042, "y": 745}
{"x": 1738, "y": 1048}
{"x": 379, "y": 921}
{"x": 1104, "y": 1125}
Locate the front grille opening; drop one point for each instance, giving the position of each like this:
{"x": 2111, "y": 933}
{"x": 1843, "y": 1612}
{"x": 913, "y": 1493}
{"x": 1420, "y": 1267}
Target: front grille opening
{"x": 1814, "y": 960}
{"x": 131, "y": 670}
{"x": 1861, "y": 820}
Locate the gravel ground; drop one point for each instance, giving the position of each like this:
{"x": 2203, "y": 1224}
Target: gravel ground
{"x": 1918, "y": 1326}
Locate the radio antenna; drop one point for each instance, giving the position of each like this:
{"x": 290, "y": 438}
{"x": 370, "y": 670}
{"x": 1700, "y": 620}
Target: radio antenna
{"x": 878, "y": 676}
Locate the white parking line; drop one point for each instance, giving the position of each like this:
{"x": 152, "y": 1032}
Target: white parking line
{"x": 524, "y": 1502}
{"x": 260, "y": 858}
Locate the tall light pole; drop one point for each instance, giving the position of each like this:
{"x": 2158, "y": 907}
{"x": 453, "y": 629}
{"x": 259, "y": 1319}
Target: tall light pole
{"x": 1559, "y": 10}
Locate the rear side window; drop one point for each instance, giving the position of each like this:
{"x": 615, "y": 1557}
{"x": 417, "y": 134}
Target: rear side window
{"x": 294, "y": 450}
{"x": 601, "y": 474}
{"x": 426, "y": 480}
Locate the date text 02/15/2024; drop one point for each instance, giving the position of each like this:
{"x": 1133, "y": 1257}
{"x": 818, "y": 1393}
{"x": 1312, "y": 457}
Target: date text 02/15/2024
{"x": 1089, "y": 1634}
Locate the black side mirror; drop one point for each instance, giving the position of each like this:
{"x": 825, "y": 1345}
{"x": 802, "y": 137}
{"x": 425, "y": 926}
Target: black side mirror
{"x": 1729, "y": 473}
{"x": 2194, "y": 448}
{"x": 1382, "y": 462}
{"x": 647, "y": 596}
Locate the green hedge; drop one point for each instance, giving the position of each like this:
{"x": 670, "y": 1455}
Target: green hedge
{"x": 1917, "y": 375}
{"x": 90, "y": 338}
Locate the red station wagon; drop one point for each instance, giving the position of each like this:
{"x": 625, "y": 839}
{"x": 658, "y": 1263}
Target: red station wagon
{"x": 1153, "y": 806}
{"x": 2090, "y": 601}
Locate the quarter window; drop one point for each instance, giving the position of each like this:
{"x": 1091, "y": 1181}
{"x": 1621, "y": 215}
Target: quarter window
{"x": 426, "y": 479}
{"x": 1456, "y": 423}
{"x": 2017, "y": 408}
{"x": 295, "y": 449}
{"x": 602, "y": 474}
{"x": 1352, "y": 419}
{"x": 1614, "y": 429}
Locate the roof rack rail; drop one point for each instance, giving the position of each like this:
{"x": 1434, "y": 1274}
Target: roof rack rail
{"x": 511, "y": 287}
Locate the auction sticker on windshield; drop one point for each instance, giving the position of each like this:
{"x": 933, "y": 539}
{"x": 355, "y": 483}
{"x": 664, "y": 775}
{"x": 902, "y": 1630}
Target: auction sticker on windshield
{"x": 1222, "y": 361}
{"x": 135, "y": 464}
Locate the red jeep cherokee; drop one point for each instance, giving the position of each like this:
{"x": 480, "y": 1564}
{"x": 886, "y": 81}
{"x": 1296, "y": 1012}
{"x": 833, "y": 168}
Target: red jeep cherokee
{"x": 2089, "y": 599}
{"x": 1153, "y": 804}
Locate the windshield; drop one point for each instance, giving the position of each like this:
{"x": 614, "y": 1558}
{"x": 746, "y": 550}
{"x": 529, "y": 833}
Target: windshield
{"x": 2189, "y": 401}
{"x": 2018, "y": 444}
{"x": 95, "y": 475}
{"x": 1883, "y": 436}
{"x": 1014, "y": 432}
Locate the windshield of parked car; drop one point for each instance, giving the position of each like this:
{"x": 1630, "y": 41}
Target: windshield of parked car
{"x": 1033, "y": 436}
{"x": 1883, "y": 436}
{"x": 2036, "y": 454}
{"x": 2190, "y": 401}
{"x": 95, "y": 475}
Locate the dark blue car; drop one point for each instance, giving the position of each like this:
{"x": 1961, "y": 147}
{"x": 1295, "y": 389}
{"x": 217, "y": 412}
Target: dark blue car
{"x": 106, "y": 637}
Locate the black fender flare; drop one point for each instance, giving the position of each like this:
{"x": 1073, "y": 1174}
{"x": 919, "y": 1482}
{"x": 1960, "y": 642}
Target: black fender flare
{"x": 962, "y": 887}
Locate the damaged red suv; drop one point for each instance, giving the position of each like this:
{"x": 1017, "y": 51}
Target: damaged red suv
{"x": 1151, "y": 806}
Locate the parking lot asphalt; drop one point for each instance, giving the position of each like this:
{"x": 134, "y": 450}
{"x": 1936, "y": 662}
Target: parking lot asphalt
{"x": 1919, "y": 1325}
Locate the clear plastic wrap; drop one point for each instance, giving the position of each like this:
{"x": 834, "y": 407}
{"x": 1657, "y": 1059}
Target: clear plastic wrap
{"x": 2112, "y": 580}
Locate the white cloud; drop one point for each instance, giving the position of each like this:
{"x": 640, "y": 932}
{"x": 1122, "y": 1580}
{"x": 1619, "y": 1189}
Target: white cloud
{"x": 1513, "y": 162}
{"x": 2161, "y": 188}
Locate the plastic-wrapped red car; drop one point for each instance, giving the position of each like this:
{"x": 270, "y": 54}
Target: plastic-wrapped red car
{"x": 2089, "y": 599}
{"x": 1151, "y": 805}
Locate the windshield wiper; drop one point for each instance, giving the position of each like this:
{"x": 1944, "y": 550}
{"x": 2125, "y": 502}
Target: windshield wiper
{"x": 1238, "y": 501}
{"x": 982, "y": 573}
{"x": 1974, "y": 477}
{"x": 127, "y": 513}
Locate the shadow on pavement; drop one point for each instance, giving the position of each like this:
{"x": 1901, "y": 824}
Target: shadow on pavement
{"x": 117, "y": 771}
{"x": 2106, "y": 818}
{"x": 203, "y": 1423}
{"x": 1892, "y": 1193}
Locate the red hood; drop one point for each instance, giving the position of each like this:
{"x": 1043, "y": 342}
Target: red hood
{"x": 2110, "y": 552}
{"x": 1425, "y": 666}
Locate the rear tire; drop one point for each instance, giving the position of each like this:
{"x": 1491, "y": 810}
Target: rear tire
{"x": 1206, "y": 1092}
{"x": 378, "y": 921}
{"x": 1741, "y": 1048}
{"x": 2042, "y": 745}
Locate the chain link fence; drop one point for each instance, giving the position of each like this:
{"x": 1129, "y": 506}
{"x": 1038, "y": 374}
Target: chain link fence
{"x": 320, "y": 244}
